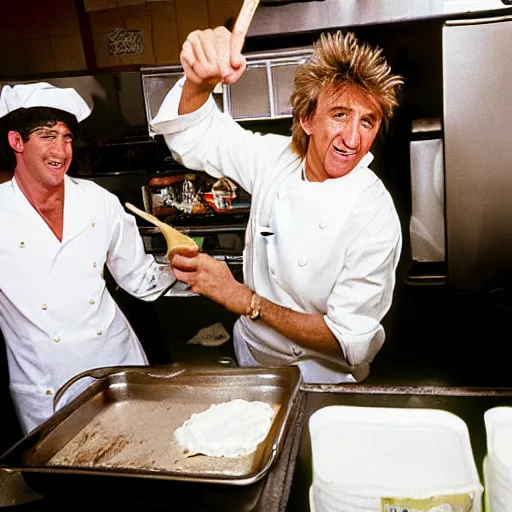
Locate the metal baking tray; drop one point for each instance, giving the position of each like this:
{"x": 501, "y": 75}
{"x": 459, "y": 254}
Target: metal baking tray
{"x": 122, "y": 425}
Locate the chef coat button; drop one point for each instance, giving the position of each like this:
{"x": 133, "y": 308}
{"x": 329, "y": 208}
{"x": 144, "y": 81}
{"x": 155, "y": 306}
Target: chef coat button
{"x": 99, "y": 332}
{"x": 49, "y": 392}
{"x": 22, "y": 244}
{"x": 56, "y": 338}
{"x": 281, "y": 195}
{"x": 272, "y": 271}
{"x": 303, "y": 261}
{"x": 92, "y": 301}
{"x": 94, "y": 224}
{"x": 323, "y": 224}
{"x": 296, "y": 351}
{"x": 44, "y": 307}
{"x": 94, "y": 265}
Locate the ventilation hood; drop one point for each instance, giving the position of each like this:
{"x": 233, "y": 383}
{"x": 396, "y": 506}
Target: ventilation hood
{"x": 279, "y": 17}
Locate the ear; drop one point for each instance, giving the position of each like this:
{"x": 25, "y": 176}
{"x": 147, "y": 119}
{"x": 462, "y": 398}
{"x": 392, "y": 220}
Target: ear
{"x": 305, "y": 122}
{"x": 15, "y": 141}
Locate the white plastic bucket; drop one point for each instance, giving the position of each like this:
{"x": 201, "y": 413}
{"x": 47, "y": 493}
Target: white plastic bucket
{"x": 498, "y": 462}
{"x": 362, "y": 455}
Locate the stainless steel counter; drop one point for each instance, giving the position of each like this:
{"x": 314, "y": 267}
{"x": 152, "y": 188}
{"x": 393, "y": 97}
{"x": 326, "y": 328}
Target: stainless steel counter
{"x": 289, "y": 489}
{"x": 469, "y": 404}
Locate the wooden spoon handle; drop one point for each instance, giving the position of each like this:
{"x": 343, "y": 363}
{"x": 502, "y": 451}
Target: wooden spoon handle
{"x": 175, "y": 239}
{"x": 245, "y": 16}
{"x": 145, "y": 215}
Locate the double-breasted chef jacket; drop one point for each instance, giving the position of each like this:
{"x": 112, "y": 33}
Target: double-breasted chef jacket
{"x": 56, "y": 314}
{"x": 334, "y": 247}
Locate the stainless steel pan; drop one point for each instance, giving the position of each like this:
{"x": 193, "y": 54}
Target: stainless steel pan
{"x": 122, "y": 425}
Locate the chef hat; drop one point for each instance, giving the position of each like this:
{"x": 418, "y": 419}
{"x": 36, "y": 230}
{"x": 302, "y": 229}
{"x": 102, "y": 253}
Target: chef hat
{"x": 42, "y": 94}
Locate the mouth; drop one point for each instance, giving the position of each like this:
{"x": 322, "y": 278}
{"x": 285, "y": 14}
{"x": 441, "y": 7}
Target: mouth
{"x": 343, "y": 151}
{"x": 55, "y": 164}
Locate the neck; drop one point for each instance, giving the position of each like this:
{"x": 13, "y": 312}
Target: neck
{"x": 41, "y": 197}
{"x": 47, "y": 201}
{"x": 309, "y": 173}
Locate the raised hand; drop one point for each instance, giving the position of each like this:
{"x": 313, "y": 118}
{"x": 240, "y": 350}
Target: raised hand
{"x": 213, "y": 55}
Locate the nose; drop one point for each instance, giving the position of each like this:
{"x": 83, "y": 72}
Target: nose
{"x": 61, "y": 147}
{"x": 350, "y": 135}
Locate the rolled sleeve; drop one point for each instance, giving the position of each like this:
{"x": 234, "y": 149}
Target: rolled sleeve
{"x": 360, "y": 299}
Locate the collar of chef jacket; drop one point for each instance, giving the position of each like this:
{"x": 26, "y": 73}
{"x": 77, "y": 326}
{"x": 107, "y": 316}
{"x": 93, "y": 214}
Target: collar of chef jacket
{"x": 76, "y": 208}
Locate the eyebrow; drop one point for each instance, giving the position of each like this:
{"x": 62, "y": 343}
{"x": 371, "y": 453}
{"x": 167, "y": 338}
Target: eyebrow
{"x": 371, "y": 115}
{"x": 51, "y": 131}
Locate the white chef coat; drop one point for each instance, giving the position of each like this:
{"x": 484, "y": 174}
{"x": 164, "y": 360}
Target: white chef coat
{"x": 334, "y": 249}
{"x": 56, "y": 314}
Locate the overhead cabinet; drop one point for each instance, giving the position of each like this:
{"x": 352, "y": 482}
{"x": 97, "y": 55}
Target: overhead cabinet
{"x": 53, "y": 36}
{"x": 40, "y": 37}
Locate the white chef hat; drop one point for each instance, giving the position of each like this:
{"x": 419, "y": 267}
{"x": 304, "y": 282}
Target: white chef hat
{"x": 42, "y": 94}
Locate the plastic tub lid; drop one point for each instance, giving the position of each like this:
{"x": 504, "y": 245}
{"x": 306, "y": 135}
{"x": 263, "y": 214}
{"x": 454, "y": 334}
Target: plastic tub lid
{"x": 378, "y": 451}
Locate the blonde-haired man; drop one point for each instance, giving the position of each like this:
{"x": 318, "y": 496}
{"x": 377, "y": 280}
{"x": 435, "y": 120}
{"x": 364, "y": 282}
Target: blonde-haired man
{"x": 323, "y": 239}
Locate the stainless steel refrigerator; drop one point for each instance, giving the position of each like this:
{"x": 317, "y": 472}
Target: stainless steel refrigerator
{"x": 477, "y": 118}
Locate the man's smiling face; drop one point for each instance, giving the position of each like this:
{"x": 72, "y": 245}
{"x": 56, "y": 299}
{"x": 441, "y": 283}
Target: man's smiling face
{"x": 46, "y": 156}
{"x": 341, "y": 131}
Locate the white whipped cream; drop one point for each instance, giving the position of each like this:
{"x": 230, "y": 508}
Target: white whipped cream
{"x": 227, "y": 429}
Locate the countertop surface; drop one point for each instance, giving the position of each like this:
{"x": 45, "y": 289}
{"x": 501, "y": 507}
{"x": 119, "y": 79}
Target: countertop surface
{"x": 289, "y": 489}
{"x": 444, "y": 350}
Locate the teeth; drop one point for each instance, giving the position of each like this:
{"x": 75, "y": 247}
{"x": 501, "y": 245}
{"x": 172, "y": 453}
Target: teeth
{"x": 344, "y": 152}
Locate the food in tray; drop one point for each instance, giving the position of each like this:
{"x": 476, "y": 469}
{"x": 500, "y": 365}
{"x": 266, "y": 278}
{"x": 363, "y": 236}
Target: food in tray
{"x": 226, "y": 429}
{"x": 195, "y": 194}
{"x": 175, "y": 239}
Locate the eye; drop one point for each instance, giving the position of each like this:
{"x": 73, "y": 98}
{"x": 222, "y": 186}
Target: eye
{"x": 48, "y": 137}
{"x": 368, "y": 123}
{"x": 339, "y": 115}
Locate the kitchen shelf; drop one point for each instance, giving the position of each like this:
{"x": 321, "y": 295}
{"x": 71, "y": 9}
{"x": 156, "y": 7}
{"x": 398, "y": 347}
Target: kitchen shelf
{"x": 196, "y": 230}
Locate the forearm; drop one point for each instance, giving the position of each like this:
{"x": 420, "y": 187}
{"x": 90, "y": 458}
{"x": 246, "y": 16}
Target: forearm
{"x": 214, "y": 280}
{"x": 193, "y": 96}
{"x": 306, "y": 329}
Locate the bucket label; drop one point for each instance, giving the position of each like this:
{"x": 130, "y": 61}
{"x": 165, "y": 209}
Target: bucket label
{"x": 449, "y": 503}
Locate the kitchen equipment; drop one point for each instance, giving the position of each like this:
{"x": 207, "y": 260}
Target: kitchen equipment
{"x": 192, "y": 196}
{"x": 427, "y": 226}
{"x": 132, "y": 412}
{"x": 478, "y": 184}
{"x": 427, "y": 187}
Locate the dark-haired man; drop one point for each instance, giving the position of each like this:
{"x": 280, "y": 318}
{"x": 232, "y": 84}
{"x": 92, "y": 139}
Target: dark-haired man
{"x": 57, "y": 233}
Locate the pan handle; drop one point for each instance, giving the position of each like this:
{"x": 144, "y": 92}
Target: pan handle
{"x": 100, "y": 373}
{"x": 96, "y": 373}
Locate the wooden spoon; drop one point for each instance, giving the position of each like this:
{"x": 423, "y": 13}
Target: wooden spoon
{"x": 245, "y": 16}
{"x": 174, "y": 239}
{"x": 242, "y": 23}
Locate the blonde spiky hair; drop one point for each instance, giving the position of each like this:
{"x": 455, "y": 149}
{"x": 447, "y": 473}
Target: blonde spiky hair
{"x": 340, "y": 60}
